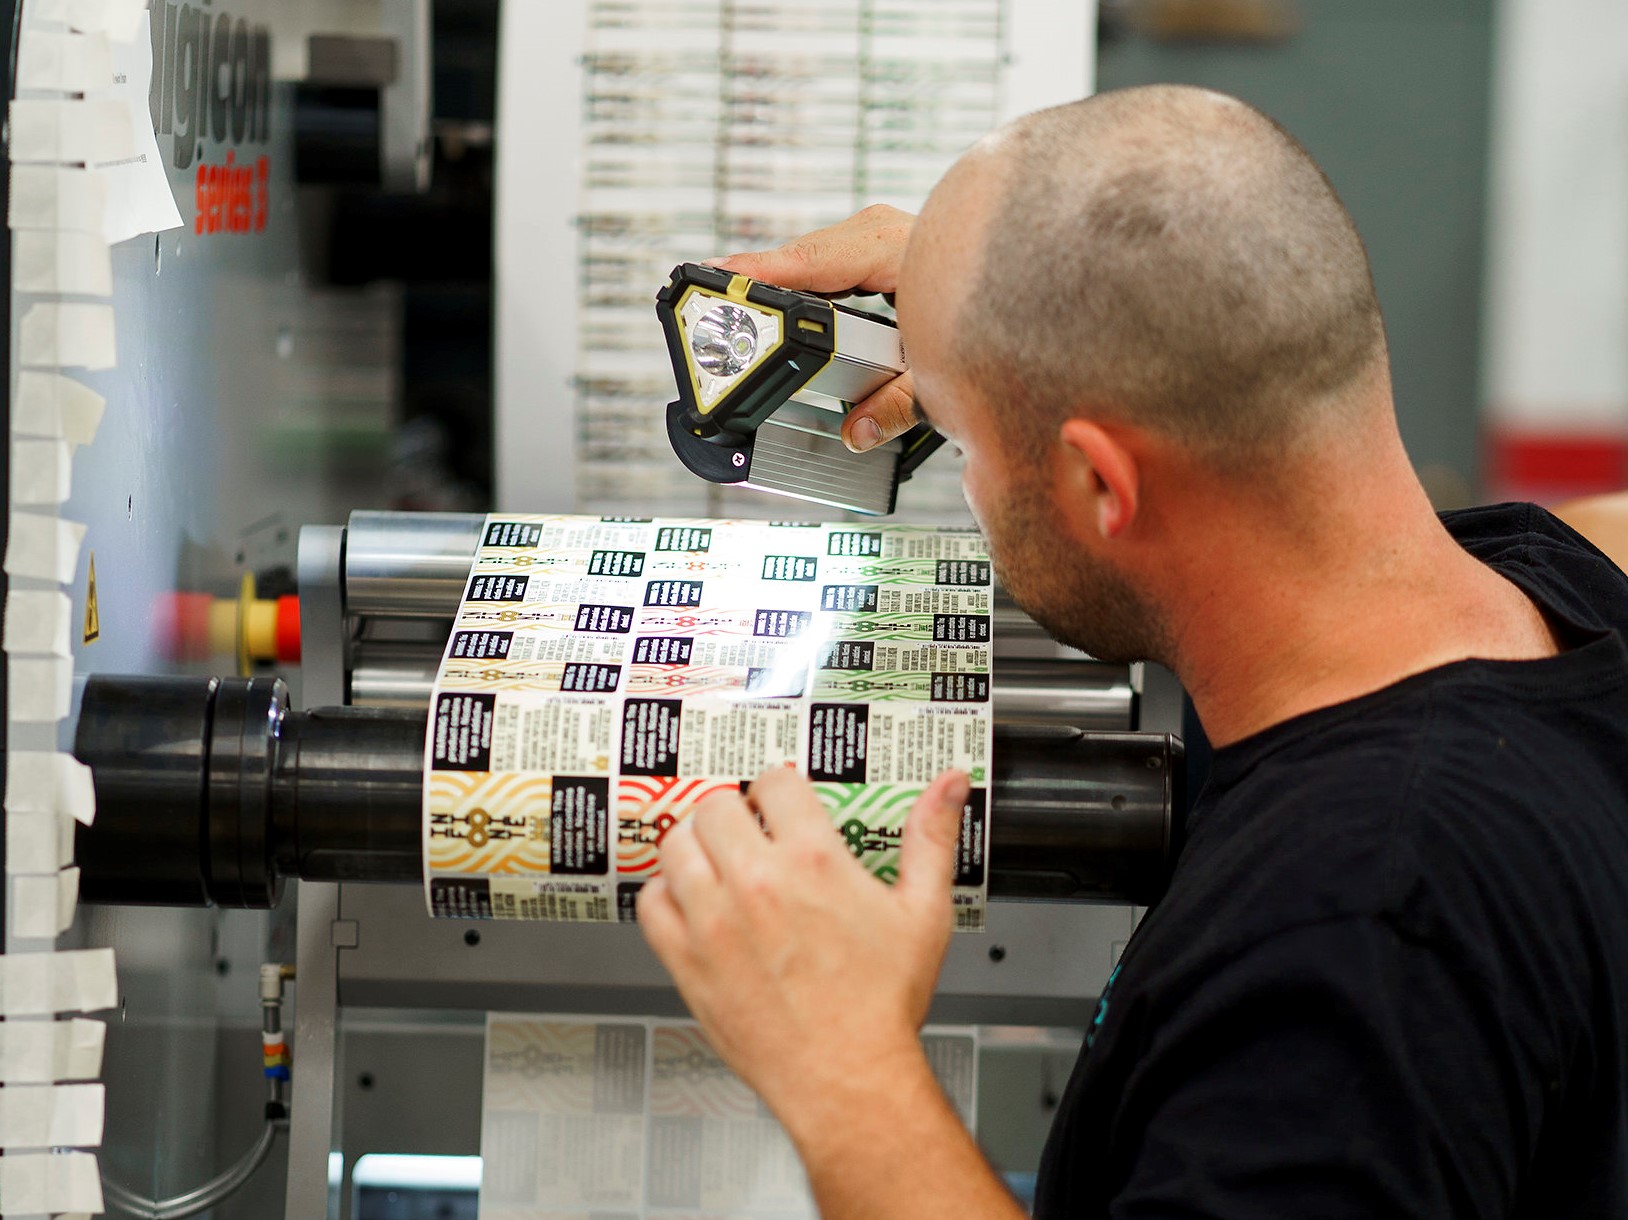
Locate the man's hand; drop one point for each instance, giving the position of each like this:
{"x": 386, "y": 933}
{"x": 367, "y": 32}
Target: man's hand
{"x": 809, "y": 976}
{"x": 860, "y": 254}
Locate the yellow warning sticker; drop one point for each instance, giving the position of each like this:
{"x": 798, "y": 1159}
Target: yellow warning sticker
{"x": 93, "y": 617}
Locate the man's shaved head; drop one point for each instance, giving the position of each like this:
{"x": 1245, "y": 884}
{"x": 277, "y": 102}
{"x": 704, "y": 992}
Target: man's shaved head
{"x": 1169, "y": 257}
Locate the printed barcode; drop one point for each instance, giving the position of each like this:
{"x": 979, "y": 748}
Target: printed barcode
{"x": 969, "y": 919}
{"x": 503, "y": 906}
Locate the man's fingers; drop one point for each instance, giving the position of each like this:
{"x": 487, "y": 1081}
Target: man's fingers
{"x": 788, "y": 803}
{"x": 927, "y": 852}
{"x": 662, "y": 924}
{"x": 861, "y": 253}
{"x": 691, "y": 879}
{"x": 728, "y": 832}
{"x": 888, "y": 413}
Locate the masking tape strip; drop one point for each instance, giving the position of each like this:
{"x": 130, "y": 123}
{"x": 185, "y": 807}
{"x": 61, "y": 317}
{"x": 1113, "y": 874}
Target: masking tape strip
{"x": 118, "y": 19}
{"x": 58, "y": 197}
{"x": 37, "y": 843}
{"x": 72, "y": 63}
{"x": 67, "y": 335}
{"x": 35, "y": 1183}
{"x": 51, "y": 1115}
{"x": 73, "y": 263}
{"x": 40, "y": 781}
{"x": 46, "y": 548}
{"x": 36, "y": 621}
{"x": 39, "y": 984}
{"x": 43, "y": 1052}
{"x": 39, "y": 690}
{"x": 78, "y": 131}
{"x": 41, "y": 471}
{"x": 51, "y": 405}
{"x": 43, "y": 907}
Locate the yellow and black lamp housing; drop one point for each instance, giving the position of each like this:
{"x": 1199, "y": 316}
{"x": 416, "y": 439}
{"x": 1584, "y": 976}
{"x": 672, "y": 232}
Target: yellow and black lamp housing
{"x": 765, "y": 376}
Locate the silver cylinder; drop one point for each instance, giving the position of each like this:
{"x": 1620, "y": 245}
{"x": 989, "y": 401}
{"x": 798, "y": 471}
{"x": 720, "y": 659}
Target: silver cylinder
{"x": 1083, "y": 694}
{"x": 408, "y": 565}
{"x": 393, "y": 673}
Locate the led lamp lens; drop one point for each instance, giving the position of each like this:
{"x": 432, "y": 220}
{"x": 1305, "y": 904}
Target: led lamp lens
{"x": 724, "y": 340}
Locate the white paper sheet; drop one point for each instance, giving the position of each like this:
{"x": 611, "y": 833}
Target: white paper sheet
{"x": 139, "y": 199}
{"x": 37, "y": 1183}
{"x": 36, "y": 621}
{"x": 43, "y": 547}
{"x": 51, "y": 1115}
{"x": 52, "y": 405}
{"x": 39, "y": 984}
{"x": 42, "y": 781}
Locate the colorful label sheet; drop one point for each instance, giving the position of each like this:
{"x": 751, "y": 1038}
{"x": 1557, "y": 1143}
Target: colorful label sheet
{"x": 605, "y": 673}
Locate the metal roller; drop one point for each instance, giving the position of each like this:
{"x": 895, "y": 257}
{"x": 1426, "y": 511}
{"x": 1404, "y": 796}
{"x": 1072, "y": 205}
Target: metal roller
{"x": 408, "y": 565}
{"x": 213, "y": 790}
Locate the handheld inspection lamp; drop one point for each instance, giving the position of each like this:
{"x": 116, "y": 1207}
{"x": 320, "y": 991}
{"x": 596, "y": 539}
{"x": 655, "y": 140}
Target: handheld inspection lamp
{"x": 765, "y": 376}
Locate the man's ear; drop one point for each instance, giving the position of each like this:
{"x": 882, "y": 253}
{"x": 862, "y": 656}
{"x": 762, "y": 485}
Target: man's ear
{"x": 1103, "y": 475}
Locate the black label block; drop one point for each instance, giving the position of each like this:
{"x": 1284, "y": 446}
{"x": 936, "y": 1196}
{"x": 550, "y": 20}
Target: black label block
{"x": 862, "y": 545}
{"x": 627, "y": 520}
{"x": 618, "y": 619}
{"x": 790, "y": 567}
{"x": 457, "y": 898}
{"x": 960, "y": 688}
{"x": 616, "y": 563}
{"x": 463, "y": 732}
{"x": 627, "y": 901}
{"x": 497, "y": 588}
{"x": 770, "y": 683}
{"x": 579, "y": 825}
{"x": 837, "y": 742}
{"x": 849, "y": 654}
{"x": 590, "y": 676}
{"x": 677, "y": 594}
{"x": 781, "y": 624}
{"x": 969, "y": 842}
{"x": 481, "y": 645}
{"x": 962, "y": 572}
{"x": 683, "y": 538}
{"x": 961, "y": 628}
{"x": 662, "y": 650}
{"x": 512, "y": 533}
{"x": 849, "y": 597}
{"x": 650, "y": 736}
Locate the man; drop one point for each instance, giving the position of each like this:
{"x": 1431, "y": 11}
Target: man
{"x": 1390, "y": 975}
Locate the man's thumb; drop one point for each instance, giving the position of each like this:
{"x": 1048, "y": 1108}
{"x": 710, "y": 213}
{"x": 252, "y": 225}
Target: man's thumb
{"x": 927, "y": 852}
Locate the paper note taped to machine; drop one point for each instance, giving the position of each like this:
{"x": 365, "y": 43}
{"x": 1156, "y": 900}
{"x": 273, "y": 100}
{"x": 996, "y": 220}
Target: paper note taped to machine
{"x": 605, "y": 674}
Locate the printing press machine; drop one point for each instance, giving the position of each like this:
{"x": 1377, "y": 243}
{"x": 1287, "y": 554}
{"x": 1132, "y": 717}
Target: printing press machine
{"x": 243, "y": 793}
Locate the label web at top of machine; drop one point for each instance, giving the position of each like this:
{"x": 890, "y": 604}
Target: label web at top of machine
{"x": 604, "y": 674}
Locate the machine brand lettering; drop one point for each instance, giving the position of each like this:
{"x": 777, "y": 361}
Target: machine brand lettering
{"x": 501, "y": 588}
{"x": 848, "y": 597}
{"x": 616, "y": 563}
{"x": 618, "y": 619}
{"x": 579, "y": 825}
{"x": 962, "y": 572}
{"x": 772, "y": 682}
{"x": 676, "y": 594}
{"x": 662, "y": 650}
{"x": 650, "y": 736}
{"x": 864, "y": 545}
{"x": 781, "y": 624}
{"x": 463, "y": 732}
{"x": 683, "y": 538}
{"x": 790, "y": 567}
{"x": 961, "y": 628}
{"x": 513, "y": 533}
{"x": 849, "y": 654}
{"x": 960, "y": 688}
{"x": 837, "y": 742}
{"x": 590, "y": 676}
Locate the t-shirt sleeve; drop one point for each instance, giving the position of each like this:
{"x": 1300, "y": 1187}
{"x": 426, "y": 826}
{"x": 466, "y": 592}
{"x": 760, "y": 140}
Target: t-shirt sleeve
{"x": 1338, "y": 1070}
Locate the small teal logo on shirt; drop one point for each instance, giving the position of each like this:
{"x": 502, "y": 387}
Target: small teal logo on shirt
{"x": 1102, "y": 1008}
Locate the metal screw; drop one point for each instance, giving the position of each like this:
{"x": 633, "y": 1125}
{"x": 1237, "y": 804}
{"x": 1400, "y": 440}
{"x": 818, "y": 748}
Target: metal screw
{"x": 472, "y": 937}
{"x": 365, "y": 1080}
{"x": 997, "y": 953}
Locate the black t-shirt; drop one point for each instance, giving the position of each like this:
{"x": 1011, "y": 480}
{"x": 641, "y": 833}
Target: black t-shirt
{"x": 1390, "y": 976}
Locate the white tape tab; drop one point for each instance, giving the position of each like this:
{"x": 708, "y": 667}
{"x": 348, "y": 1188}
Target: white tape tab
{"x": 42, "y": 1052}
{"x": 43, "y": 907}
{"x": 38, "y": 984}
{"x": 118, "y": 19}
{"x": 66, "y": 336}
{"x": 37, "y": 1183}
{"x": 73, "y": 63}
{"x": 43, "y": 547}
{"x": 58, "y": 197}
{"x": 81, "y": 131}
{"x": 36, "y": 621}
{"x": 38, "y": 843}
{"x": 38, "y": 690}
{"x": 41, "y": 472}
{"x": 76, "y": 264}
{"x": 51, "y": 1115}
{"x": 40, "y": 781}
{"x": 49, "y": 404}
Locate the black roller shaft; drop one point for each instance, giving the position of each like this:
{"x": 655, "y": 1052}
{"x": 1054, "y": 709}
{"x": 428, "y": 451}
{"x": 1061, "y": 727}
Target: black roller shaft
{"x": 212, "y": 790}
